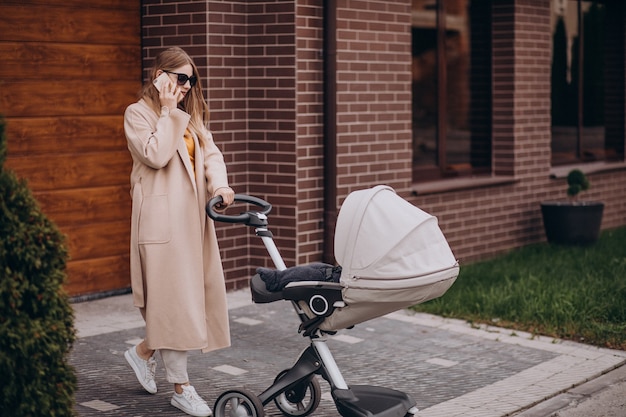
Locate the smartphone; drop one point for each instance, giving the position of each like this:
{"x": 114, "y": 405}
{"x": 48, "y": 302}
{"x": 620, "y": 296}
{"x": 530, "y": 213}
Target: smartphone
{"x": 161, "y": 81}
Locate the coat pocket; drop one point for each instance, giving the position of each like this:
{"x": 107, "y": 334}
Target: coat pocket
{"x": 154, "y": 220}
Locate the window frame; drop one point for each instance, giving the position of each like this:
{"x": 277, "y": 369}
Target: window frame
{"x": 441, "y": 169}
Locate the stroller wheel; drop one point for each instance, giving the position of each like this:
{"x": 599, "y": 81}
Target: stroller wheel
{"x": 238, "y": 403}
{"x": 300, "y": 400}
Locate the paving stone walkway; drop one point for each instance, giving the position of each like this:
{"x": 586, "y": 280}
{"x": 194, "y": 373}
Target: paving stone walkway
{"x": 449, "y": 367}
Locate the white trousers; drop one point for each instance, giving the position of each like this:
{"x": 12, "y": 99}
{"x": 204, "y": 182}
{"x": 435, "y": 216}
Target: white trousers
{"x": 175, "y": 362}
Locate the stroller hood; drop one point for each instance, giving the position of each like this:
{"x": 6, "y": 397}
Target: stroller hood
{"x": 393, "y": 255}
{"x": 381, "y": 237}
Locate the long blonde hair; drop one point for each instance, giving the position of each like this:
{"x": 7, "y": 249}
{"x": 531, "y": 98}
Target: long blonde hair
{"x": 193, "y": 103}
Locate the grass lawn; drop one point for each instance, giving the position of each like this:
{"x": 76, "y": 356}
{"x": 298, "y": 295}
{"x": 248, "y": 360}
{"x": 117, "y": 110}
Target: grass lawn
{"x": 574, "y": 293}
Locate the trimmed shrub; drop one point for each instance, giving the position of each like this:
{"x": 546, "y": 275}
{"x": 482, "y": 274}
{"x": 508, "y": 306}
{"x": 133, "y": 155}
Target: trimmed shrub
{"x": 576, "y": 182}
{"x": 36, "y": 318}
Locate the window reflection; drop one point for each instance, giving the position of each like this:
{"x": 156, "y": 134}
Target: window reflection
{"x": 577, "y": 81}
{"x": 451, "y": 54}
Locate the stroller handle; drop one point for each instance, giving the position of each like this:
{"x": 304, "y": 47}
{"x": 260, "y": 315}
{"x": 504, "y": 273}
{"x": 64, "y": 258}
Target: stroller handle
{"x": 249, "y": 218}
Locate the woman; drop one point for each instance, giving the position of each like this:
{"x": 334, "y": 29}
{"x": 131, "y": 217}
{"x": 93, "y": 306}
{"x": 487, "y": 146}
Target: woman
{"x": 175, "y": 266}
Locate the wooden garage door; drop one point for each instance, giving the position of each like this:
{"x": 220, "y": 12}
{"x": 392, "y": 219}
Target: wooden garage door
{"x": 68, "y": 70}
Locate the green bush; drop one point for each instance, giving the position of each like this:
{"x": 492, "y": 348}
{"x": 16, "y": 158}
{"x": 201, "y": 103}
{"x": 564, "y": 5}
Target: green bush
{"x": 36, "y": 318}
{"x": 576, "y": 182}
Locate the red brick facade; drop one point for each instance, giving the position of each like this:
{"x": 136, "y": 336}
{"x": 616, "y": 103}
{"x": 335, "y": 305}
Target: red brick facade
{"x": 264, "y": 62}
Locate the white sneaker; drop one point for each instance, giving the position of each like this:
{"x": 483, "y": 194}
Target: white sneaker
{"x": 144, "y": 370}
{"x": 191, "y": 403}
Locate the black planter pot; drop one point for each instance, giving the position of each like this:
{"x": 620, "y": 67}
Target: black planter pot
{"x": 572, "y": 223}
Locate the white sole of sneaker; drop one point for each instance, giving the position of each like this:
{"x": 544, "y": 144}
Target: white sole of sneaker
{"x": 191, "y": 413}
{"x": 137, "y": 373}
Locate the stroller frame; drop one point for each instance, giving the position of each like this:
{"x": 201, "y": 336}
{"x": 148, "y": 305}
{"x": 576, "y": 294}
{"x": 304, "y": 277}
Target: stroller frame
{"x": 296, "y": 391}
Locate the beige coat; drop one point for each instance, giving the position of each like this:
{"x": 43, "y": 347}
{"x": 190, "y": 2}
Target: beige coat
{"x": 176, "y": 272}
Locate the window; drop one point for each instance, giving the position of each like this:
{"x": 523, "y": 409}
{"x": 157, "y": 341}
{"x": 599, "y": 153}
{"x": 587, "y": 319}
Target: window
{"x": 451, "y": 67}
{"x": 578, "y": 83}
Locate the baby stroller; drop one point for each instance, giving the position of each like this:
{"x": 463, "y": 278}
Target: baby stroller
{"x": 391, "y": 255}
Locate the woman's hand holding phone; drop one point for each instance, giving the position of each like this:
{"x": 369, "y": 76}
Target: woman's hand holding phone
{"x": 169, "y": 93}
{"x": 161, "y": 81}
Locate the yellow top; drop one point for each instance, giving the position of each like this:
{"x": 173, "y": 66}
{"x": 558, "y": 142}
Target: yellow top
{"x": 190, "y": 148}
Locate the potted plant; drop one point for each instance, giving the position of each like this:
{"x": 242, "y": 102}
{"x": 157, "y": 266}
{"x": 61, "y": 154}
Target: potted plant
{"x": 573, "y": 222}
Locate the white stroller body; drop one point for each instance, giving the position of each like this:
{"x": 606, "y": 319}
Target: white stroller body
{"x": 392, "y": 255}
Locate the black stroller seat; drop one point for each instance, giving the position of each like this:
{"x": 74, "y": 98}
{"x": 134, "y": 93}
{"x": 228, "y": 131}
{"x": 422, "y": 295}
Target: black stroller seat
{"x": 320, "y": 295}
{"x": 315, "y": 288}
{"x": 260, "y": 293}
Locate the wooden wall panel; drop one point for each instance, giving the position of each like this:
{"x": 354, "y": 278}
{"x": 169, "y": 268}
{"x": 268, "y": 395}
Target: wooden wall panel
{"x": 86, "y": 205}
{"x": 78, "y": 133}
{"x": 98, "y": 275}
{"x": 58, "y": 22}
{"x": 73, "y": 170}
{"x": 58, "y": 98}
{"x": 92, "y": 4}
{"x": 91, "y": 240}
{"x": 67, "y": 75}
{"x": 29, "y": 61}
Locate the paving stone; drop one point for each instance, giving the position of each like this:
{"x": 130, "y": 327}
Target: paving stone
{"x": 384, "y": 352}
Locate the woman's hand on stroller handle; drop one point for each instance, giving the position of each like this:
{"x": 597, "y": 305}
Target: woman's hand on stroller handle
{"x": 249, "y": 218}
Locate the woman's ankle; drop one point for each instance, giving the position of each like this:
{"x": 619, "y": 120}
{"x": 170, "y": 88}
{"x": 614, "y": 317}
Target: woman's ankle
{"x": 143, "y": 352}
{"x": 178, "y": 388}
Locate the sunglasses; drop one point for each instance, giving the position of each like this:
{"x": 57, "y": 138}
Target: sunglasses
{"x": 183, "y": 78}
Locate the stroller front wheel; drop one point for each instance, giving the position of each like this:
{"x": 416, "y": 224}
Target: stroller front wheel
{"x": 238, "y": 403}
{"x": 301, "y": 400}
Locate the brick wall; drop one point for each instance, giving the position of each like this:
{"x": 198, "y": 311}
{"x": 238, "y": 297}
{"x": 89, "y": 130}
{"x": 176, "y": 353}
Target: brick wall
{"x": 373, "y": 95}
{"x": 309, "y": 131}
{"x": 374, "y": 121}
{"x": 264, "y": 64}
{"x": 257, "y": 84}
{"x": 488, "y": 220}
{"x": 485, "y": 221}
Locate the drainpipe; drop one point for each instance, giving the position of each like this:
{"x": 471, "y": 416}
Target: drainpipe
{"x": 330, "y": 128}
